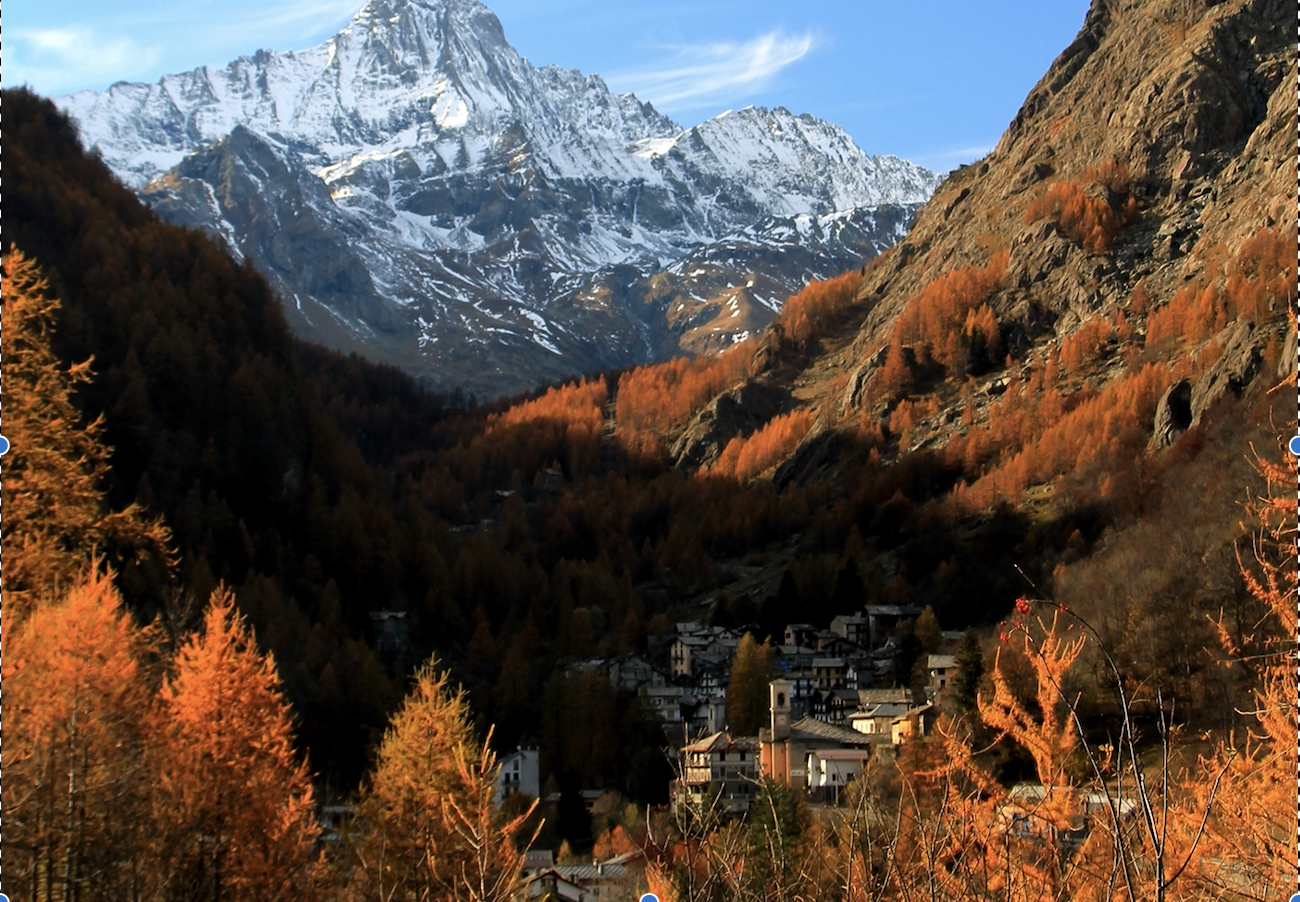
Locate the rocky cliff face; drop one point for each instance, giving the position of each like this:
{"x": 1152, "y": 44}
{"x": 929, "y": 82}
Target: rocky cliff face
{"x": 419, "y": 192}
{"x": 1193, "y": 103}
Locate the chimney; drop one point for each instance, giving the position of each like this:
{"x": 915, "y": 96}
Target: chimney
{"x": 779, "y": 691}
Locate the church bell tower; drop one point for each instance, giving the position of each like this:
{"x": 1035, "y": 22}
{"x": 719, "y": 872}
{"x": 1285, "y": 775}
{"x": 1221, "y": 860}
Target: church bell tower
{"x": 779, "y": 691}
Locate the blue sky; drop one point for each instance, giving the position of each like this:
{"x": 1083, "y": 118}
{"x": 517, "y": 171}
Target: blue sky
{"x": 935, "y": 81}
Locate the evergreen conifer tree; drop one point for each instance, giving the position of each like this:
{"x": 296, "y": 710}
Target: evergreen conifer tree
{"x": 970, "y": 670}
{"x": 850, "y": 594}
{"x": 781, "y": 608}
{"x": 896, "y": 376}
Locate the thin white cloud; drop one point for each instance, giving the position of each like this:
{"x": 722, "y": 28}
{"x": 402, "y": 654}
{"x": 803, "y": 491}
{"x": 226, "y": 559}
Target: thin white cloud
{"x": 702, "y": 72}
{"x": 60, "y": 59}
{"x": 142, "y": 46}
{"x": 305, "y": 19}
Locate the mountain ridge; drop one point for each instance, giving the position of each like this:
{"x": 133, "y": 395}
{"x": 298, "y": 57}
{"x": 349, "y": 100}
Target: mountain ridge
{"x": 486, "y": 200}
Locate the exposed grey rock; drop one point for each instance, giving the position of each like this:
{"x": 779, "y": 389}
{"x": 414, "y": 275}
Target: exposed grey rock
{"x": 1173, "y": 414}
{"x": 855, "y": 391}
{"x": 303, "y": 251}
{"x": 815, "y": 455}
{"x": 737, "y": 412}
{"x": 1232, "y": 372}
{"x": 1286, "y": 363}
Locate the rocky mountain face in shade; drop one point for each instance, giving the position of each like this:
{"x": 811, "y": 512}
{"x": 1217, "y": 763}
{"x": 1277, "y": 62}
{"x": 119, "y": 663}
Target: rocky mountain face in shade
{"x": 420, "y": 193}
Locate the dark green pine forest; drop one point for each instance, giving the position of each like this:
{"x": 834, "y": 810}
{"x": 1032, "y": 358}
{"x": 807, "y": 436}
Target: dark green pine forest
{"x": 322, "y": 488}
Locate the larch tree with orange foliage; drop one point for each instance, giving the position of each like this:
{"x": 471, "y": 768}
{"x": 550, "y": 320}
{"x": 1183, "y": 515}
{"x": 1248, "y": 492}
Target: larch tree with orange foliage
{"x": 1250, "y": 838}
{"x": 747, "y": 688}
{"x": 403, "y": 845}
{"x": 1124, "y": 835}
{"x": 76, "y": 768}
{"x": 578, "y": 403}
{"x": 1260, "y": 281}
{"x": 54, "y": 510}
{"x": 982, "y": 340}
{"x": 1261, "y": 277}
{"x": 895, "y": 377}
{"x": 1042, "y": 441}
{"x": 957, "y": 832}
{"x": 1049, "y": 734}
{"x": 1154, "y": 832}
{"x": 745, "y": 458}
{"x": 934, "y": 321}
{"x": 493, "y": 848}
{"x": 234, "y": 805}
{"x": 1090, "y": 213}
{"x": 820, "y": 304}
{"x": 903, "y": 419}
{"x": 653, "y": 399}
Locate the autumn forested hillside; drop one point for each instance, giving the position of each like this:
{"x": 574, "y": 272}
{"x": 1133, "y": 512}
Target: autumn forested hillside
{"x": 1050, "y": 391}
{"x": 321, "y": 488}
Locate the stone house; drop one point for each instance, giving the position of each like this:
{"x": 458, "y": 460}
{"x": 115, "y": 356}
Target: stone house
{"x": 828, "y": 673}
{"x": 853, "y": 627}
{"x": 876, "y": 720}
{"x": 941, "y": 670}
{"x": 718, "y": 764}
{"x": 915, "y": 723}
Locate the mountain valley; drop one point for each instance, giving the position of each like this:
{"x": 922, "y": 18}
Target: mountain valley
{"x": 1058, "y": 399}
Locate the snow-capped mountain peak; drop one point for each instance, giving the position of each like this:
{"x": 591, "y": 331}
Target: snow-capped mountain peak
{"x": 414, "y": 177}
{"x": 400, "y": 54}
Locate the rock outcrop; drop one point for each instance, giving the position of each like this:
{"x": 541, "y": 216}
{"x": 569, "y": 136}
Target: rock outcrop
{"x": 737, "y": 412}
{"x": 1238, "y": 364}
{"x": 1173, "y": 414}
